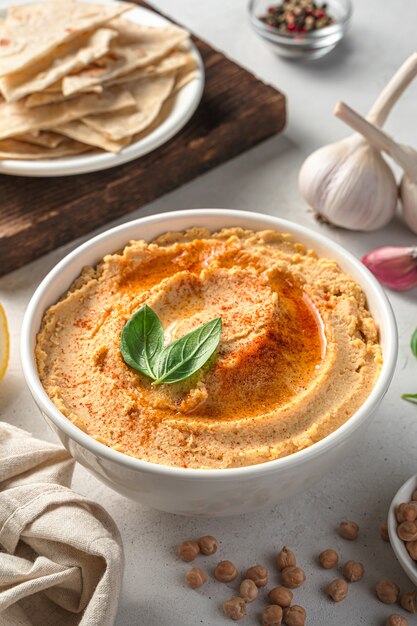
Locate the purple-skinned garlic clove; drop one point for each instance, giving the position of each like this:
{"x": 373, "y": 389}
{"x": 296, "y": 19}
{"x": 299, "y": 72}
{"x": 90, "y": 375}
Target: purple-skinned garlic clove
{"x": 394, "y": 266}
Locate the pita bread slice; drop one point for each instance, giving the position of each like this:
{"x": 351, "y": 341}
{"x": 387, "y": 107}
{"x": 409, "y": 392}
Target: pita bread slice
{"x": 45, "y": 97}
{"x": 170, "y": 64}
{"x": 184, "y": 77}
{"x": 16, "y": 119}
{"x": 13, "y": 149}
{"x": 32, "y": 31}
{"x": 149, "y": 96}
{"x": 42, "y": 138}
{"x": 69, "y": 57}
{"x": 79, "y": 131}
{"x": 137, "y": 46}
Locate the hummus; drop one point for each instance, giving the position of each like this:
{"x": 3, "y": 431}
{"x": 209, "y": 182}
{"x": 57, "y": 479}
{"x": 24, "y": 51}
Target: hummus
{"x": 299, "y": 351}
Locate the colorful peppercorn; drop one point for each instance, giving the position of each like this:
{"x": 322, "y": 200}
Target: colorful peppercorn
{"x": 297, "y": 16}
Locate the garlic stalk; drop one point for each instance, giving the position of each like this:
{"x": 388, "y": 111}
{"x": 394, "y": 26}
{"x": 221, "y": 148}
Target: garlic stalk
{"x": 405, "y": 156}
{"x": 348, "y": 183}
{"x": 394, "y": 266}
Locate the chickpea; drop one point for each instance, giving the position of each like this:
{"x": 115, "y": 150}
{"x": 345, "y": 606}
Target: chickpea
{"x": 412, "y": 549}
{"x": 387, "y": 591}
{"x": 259, "y": 575}
{"x": 225, "y": 572}
{"x": 337, "y": 589}
{"x": 408, "y": 601}
{"x": 406, "y": 512}
{"x": 396, "y": 620}
{"x": 188, "y": 550}
{"x": 328, "y": 559}
{"x": 248, "y": 590}
{"x": 281, "y": 596}
{"x": 292, "y": 577}
{"x": 383, "y": 531}
{"x": 295, "y": 616}
{"x": 410, "y": 511}
{"x": 196, "y": 577}
{"x": 285, "y": 558}
{"x": 407, "y": 531}
{"x": 235, "y": 608}
{"x": 348, "y": 530}
{"x": 208, "y": 545}
{"x": 353, "y": 571}
{"x": 272, "y": 615}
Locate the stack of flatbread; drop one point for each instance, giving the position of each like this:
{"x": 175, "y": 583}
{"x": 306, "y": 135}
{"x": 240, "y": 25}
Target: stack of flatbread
{"x": 76, "y": 77}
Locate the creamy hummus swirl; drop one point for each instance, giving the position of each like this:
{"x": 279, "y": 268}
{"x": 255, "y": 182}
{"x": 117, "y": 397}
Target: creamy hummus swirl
{"x": 298, "y": 356}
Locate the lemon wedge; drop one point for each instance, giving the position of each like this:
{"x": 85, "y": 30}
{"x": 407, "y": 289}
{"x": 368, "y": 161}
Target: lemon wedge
{"x": 4, "y": 342}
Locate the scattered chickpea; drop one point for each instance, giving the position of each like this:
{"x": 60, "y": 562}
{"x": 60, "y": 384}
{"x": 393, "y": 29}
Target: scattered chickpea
{"x": 225, "y": 572}
{"x": 196, "y": 577}
{"x": 235, "y": 608}
{"x": 407, "y": 531}
{"x": 348, "y": 530}
{"x": 396, "y": 620}
{"x": 412, "y": 549}
{"x": 353, "y": 571}
{"x": 188, "y": 550}
{"x": 295, "y": 616}
{"x": 208, "y": 545}
{"x": 272, "y": 615}
{"x": 248, "y": 590}
{"x": 292, "y": 577}
{"x": 409, "y": 601}
{"x": 387, "y": 591}
{"x": 281, "y": 596}
{"x": 259, "y": 575}
{"x": 285, "y": 558}
{"x": 383, "y": 530}
{"x": 328, "y": 559}
{"x": 337, "y": 589}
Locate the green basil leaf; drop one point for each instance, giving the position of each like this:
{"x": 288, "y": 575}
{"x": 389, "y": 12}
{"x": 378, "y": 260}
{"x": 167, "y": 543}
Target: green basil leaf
{"x": 414, "y": 343}
{"x": 142, "y": 340}
{"x": 411, "y": 397}
{"x": 184, "y": 357}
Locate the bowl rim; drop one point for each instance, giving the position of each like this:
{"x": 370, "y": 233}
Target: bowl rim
{"x": 409, "y": 566}
{"x": 168, "y": 219}
{"x": 296, "y": 38}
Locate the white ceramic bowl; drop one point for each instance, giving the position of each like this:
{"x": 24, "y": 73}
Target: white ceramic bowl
{"x": 403, "y": 495}
{"x": 193, "y": 491}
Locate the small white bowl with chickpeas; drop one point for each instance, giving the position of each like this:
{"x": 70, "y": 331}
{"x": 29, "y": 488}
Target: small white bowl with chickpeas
{"x": 402, "y": 527}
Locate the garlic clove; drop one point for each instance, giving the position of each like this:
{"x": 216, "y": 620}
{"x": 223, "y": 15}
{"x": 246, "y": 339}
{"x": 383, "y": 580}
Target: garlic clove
{"x": 349, "y": 184}
{"x": 394, "y": 266}
{"x": 408, "y": 195}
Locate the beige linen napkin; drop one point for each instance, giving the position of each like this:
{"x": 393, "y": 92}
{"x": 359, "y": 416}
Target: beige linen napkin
{"x": 61, "y": 557}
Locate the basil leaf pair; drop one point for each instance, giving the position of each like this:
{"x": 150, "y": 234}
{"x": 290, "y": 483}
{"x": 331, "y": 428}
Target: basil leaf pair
{"x": 142, "y": 347}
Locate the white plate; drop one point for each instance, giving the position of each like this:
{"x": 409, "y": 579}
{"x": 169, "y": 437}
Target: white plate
{"x": 184, "y": 106}
{"x": 403, "y": 495}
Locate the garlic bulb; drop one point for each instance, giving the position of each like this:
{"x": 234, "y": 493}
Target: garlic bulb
{"x": 348, "y": 183}
{"x": 405, "y": 156}
{"x": 394, "y": 266}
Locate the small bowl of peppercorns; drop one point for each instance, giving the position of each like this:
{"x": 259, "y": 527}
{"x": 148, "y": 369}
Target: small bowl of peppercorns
{"x": 300, "y": 29}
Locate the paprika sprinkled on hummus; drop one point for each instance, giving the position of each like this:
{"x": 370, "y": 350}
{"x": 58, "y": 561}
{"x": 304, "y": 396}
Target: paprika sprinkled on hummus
{"x": 299, "y": 351}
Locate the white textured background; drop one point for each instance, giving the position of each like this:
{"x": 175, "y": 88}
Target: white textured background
{"x": 265, "y": 179}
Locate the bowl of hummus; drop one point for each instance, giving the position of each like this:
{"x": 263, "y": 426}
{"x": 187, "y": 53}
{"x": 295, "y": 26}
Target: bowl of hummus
{"x": 306, "y": 349}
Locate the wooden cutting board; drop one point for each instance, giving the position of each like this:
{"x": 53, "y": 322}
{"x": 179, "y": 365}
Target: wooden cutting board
{"x": 237, "y": 112}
